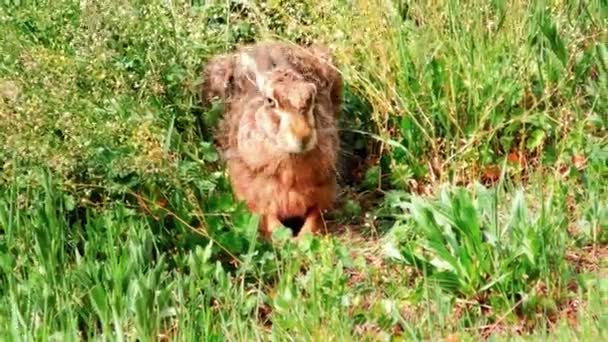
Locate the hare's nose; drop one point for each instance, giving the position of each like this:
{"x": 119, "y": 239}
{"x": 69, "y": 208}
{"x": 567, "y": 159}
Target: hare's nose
{"x": 301, "y": 129}
{"x": 305, "y": 140}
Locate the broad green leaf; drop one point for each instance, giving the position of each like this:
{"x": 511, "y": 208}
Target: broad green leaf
{"x": 536, "y": 138}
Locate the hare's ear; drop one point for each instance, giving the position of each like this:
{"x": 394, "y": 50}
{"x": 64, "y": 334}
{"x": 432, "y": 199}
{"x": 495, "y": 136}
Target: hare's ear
{"x": 331, "y": 73}
{"x": 336, "y": 92}
{"x": 252, "y": 72}
{"x": 313, "y": 91}
{"x": 217, "y": 78}
{"x": 322, "y": 51}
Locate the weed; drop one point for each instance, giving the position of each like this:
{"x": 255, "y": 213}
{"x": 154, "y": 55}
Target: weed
{"x": 473, "y": 175}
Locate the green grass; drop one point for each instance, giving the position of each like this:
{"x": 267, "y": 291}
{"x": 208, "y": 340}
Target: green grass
{"x": 473, "y": 202}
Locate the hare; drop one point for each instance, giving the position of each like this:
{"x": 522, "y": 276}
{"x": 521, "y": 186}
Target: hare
{"x": 278, "y": 134}
{"x": 228, "y": 74}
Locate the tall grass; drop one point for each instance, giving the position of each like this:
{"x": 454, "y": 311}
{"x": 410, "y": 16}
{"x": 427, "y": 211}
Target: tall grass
{"x": 460, "y": 85}
{"x": 117, "y": 221}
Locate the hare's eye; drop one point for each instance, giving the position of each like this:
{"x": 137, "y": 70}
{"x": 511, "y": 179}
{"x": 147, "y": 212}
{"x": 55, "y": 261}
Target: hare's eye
{"x": 271, "y": 102}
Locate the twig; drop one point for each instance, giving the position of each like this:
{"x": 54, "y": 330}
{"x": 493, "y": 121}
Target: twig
{"x": 492, "y": 327}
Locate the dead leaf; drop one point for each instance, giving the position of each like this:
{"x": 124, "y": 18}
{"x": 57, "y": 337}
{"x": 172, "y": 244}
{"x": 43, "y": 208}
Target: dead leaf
{"x": 162, "y": 202}
{"x": 563, "y": 170}
{"x": 451, "y": 338}
{"x": 397, "y": 330}
{"x": 516, "y": 157}
{"x": 528, "y": 100}
{"x": 436, "y": 166}
{"x": 9, "y": 90}
{"x": 573, "y": 229}
{"x": 579, "y": 161}
{"x": 491, "y": 173}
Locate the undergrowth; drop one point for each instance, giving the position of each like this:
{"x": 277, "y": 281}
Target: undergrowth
{"x": 472, "y": 172}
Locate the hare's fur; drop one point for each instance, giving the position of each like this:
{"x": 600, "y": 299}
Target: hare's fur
{"x": 276, "y": 181}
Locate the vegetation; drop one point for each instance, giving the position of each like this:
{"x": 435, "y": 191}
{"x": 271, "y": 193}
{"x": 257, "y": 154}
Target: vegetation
{"x": 473, "y": 201}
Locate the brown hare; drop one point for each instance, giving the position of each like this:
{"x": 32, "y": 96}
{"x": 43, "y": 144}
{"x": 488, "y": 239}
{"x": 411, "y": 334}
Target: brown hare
{"x": 279, "y": 132}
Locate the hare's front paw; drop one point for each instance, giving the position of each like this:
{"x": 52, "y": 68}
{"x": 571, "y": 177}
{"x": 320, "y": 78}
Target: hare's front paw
{"x": 313, "y": 223}
{"x": 268, "y": 225}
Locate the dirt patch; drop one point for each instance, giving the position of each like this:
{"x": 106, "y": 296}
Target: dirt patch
{"x": 590, "y": 259}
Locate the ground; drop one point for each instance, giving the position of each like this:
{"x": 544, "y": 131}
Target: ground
{"x": 472, "y": 180}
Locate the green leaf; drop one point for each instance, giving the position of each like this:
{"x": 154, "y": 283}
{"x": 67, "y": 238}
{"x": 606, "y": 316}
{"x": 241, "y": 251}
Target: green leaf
{"x": 6, "y": 262}
{"x": 99, "y": 302}
{"x": 283, "y": 301}
{"x": 213, "y": 116}
{"x": 446, "y": 280}
{"x": 602, "y": 55}
{"x": 495, "y": 281}
{"x": 536, "y": 138}
{"x": 209, "y": 152}
{"x": 207, "y": 252}
{"x": 555, "y": 40}
{"x": 69, "y": 202}
{"x": 352, "y": 208}
{"x": 391, "y": 251}
{"x": 282, "y": 234}
{"x": 372, "y": 177}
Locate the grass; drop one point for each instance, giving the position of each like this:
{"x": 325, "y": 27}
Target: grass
{"x": 473, "y": 201}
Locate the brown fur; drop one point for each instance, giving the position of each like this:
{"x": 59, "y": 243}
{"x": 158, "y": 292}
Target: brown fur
{"x": 274, "y": 183}
{"x": 224, "y": 77}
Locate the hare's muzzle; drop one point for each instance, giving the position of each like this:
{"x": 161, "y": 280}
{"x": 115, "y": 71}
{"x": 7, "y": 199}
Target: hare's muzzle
{"x": 303, "y": 135}
{"x": 305, "y": 141}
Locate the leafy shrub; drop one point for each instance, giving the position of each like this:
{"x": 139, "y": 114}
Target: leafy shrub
{"x": 463, "y": 244}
